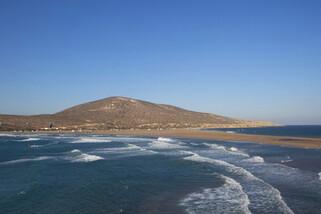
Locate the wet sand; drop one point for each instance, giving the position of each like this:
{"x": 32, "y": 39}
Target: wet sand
{"x": 217, "y": 135}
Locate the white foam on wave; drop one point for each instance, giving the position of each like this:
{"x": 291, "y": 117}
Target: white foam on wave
{"x": 228, "y": 198}
{"x": 128, "y": 139}
{"x": 7, "y": 135}
{"x": 231, "y": 150}
{"x": 77, "y": 156}
{"x": 260, "y": 193}
{"x": 41, "y": 145}
{"x": 163, "y": 139}
{"x": 160, "y": 144}
{"x": 24, "y": 160}
{"x": 230, "y": 132}
{"x": 30, "y": 139}
{"x": 215, "y": 146}
{"x": 229, "y": 167}
{"x": 319, "y": 176}
{"x": 254, "y": 159}
{"x": 128, "y": 148}
{"x": 122, "y": 152}
{"x": 92, "y": 140}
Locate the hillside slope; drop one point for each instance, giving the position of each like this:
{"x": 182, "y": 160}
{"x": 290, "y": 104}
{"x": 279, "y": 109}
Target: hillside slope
{"x": 121, "y": 113}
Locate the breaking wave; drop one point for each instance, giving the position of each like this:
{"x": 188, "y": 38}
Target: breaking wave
{"x": 92, "y": 140}
{"x": 41, "y": 145}
{"x": 30, "y": 139}
{"x": 261, "y": 194}
{"x": 230, "y": 132}
{"x": 163, "y": 139}
{"x": 231, "y": 150}
{"x": 130, "y": 150}
{"x": 77, "y": 156}
{"x": 7, "y": 135}
{"x": 24, "y": 160}
{"x": 161, "y": 144}
{"x": 319, "y": 176}
{"x": 255, "y": 159}
{"x": 228, "y": 198}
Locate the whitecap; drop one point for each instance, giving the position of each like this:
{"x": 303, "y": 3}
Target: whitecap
{"x": 231, "y": 150}
{"x": 319, "y": 176}
{"x": 228, "y": 198}
{"x": 77, "y": 156}
{"x": 163, "y": 139}
{"x": 7, "y": 135}
{"x": 261, "y": 194}
{"x": 255, "y": 159}
{"x": 30, "y": 139}
{"x": 41, "y": 158}
{"x": 86, "y": 158}
{"x": 129, "y": 150}
{"x": 230, "y": 132}
{"x": 92, "y": 140}
{"x": 165, "y": 145}
{"x": 40, "y": 145}
{"x": 215, "y": 146}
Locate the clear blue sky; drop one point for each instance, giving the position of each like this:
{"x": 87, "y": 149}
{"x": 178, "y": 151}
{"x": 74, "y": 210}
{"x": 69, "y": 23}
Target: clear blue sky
{"x": 248, "y": 59}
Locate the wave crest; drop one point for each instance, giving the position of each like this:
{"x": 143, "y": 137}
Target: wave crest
{"x": 24, "y": 160}
{"x": 29, "y": 139}
{"x": 92, "y": 140}
{"x": 228, "y": 198}
{"x": 77, "y": 156}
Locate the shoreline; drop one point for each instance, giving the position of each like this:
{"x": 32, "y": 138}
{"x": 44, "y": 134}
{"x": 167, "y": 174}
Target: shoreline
{"x": 298, "y": 142}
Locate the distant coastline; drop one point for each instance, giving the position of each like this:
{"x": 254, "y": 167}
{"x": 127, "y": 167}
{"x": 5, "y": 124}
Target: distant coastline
{"x": 298, "y": 142}
{"x": 121, "y": 113}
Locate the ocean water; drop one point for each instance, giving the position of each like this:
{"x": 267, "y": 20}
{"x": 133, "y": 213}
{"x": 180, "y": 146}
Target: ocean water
{"x": 109, "y": 174}
{"x": 293, "y": 131}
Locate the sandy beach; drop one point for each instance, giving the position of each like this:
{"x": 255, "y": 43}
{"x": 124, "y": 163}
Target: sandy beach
{"x": 299, "y": 142}
{"x": 217, "y": 135}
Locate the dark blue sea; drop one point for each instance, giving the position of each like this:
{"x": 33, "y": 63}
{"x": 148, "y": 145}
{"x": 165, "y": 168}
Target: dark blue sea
{"x": 293, "y": 131}
{"x": 99, "y": 174}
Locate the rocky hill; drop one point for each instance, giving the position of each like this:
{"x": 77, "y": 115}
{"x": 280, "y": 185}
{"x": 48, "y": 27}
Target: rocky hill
{"x": 121, "y": 113}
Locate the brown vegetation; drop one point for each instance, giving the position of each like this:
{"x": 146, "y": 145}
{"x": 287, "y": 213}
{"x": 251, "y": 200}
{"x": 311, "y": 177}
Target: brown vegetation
{"x": 121, "y": 113}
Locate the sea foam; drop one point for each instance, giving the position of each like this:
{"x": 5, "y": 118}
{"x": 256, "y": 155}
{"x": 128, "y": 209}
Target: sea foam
{"x": 260, "y": 193}
{"x": 255, "y": 159}
{"x": 7, "y": 135}
{"x": 160, "y": 143}
{"x": 230, "y": 150}
{"x": 77, "y": 156}
{"x": 228, "y": 198}
{"x": 24, "y": 160}
{"x": 163, "y": 139}
{"x": 30, "y": 139}
{"x": 92, "y": 140}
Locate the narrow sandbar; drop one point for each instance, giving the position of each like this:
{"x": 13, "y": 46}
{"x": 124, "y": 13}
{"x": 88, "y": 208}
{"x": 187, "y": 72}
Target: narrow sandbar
{"x": 218, "y": 135}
